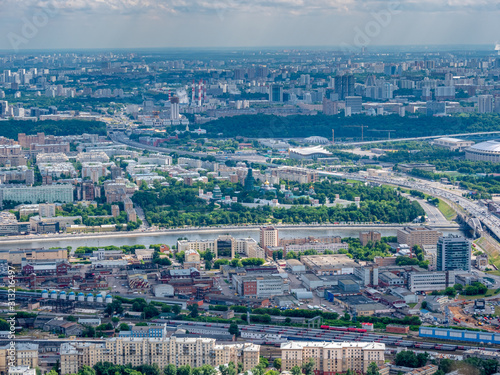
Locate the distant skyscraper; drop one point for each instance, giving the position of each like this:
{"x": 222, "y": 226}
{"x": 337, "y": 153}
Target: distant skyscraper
{"x": 276, "y": 94}
{"x": 4, "y": 107}
{"x": 344, "y": 86}
{"x": 485, "y": 103}
{"x": 305, "y": 79}
{"x": 354, "y": 103}
{"x": 174, "y": 108}
{"x": 453, "y": 254}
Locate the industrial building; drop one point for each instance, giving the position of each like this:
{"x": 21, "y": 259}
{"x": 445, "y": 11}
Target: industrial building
{"x": 260, "y": 285}
{"x": 459, "y": 335}
{"x": 336, "y": 264}
{"x": 452, "y": 144}
{"x": 429, "y": 281}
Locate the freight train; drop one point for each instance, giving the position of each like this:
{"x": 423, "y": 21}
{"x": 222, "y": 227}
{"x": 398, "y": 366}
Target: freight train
{"x": 344, "y": 329}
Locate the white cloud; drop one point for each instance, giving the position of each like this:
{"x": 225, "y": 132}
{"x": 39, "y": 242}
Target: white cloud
{"x": 296, "y": 7}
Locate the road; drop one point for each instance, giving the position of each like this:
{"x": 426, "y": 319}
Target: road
{"x": 453, "y": 196}
{"x": 420, "y": 138}
{"x": 123, "y": 139}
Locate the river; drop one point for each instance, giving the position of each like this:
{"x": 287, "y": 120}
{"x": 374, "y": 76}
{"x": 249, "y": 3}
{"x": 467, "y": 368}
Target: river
{"x": 170, "y": 238}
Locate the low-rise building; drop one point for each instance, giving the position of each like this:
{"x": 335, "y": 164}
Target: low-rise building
{"x": 430, "y": 280}
{"x": 260, "y": 285}
{"x": 336, "y": 264}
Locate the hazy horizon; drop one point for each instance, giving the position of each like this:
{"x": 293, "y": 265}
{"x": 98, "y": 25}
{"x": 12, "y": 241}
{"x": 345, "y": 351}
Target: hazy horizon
{"x": 134, "y": 24}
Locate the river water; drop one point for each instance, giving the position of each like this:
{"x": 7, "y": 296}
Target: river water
{"x": 171, "y": 238}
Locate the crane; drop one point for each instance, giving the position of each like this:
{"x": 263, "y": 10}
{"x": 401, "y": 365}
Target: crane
{"x": 358, "y": 126}
{"x": 388, "y": 132}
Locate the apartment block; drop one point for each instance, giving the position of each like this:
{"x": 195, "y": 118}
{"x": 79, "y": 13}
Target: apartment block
{"x": 302, "y": 175}
{"x": 26, "y": 354}
{"x": 268, "y": 237}
{"x": 224, "y": 246}
{"x": 332, "y": 358}
{"x": 33, "y": 194}
{"x": 366, "y": 237}
{"x": 195, "y": 352}
{"x": 420, "y": 236}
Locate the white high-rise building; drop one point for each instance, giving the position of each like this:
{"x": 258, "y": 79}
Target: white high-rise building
{"x": 174, "y": 108}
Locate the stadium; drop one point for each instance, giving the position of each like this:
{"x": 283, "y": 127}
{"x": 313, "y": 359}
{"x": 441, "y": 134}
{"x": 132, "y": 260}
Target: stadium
{"x": 484, "y": 151}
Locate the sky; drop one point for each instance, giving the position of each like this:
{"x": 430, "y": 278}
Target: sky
{"x": 89, "y": 24}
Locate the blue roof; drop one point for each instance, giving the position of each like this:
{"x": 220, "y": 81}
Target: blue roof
{"x": 108, "y": 296}
{"x": 90, "y": 295}
{"x": 71, "y": 293}
{"x": 425, "y": 311}
{"x": 80, "y": 294}
{"x": 63, "y": 292}
{"x": 45, "y": 291}
{"x": 99, "y": 295}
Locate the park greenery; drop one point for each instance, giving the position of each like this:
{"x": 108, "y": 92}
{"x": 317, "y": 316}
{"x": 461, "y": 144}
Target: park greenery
{"x": 266, "y": 126}
{"x": 11, "y": 128}
{"x": 179, "y": 205}
{"x": 471, "y": 366}
{"x": 474, "y": 289}
{"x": 93, "y": 214}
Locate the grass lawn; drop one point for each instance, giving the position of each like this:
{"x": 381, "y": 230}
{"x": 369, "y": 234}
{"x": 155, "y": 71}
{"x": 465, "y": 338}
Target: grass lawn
{"x": 353, "y": 181}
{"x": 497, "y": 310}
{"x": 412, "y": 305}
{"x": 489, "y": 293}
{"x": 493, "y": 254}
{"x": 495, "y": 273}
{"x": 446, "y": 210}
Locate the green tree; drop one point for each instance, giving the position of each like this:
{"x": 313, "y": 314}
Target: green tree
{"x": 296, "y": 370}
{"x": 193, "y": 310}
{"x": 372, "y": 369}
{"x": 124, "y": 327}
{"x": 264, "y": 362}
{"x": 233, "y": 329}
{"x": 406, "y": 358}
{"x": 277, "y": 364}
{"x": 170, "y": 370}
{"x": 308, "y": 367}
{"x": 184, "y": 370}
{"x": 445, "y": 365}
{"x": 176, "y": 309}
